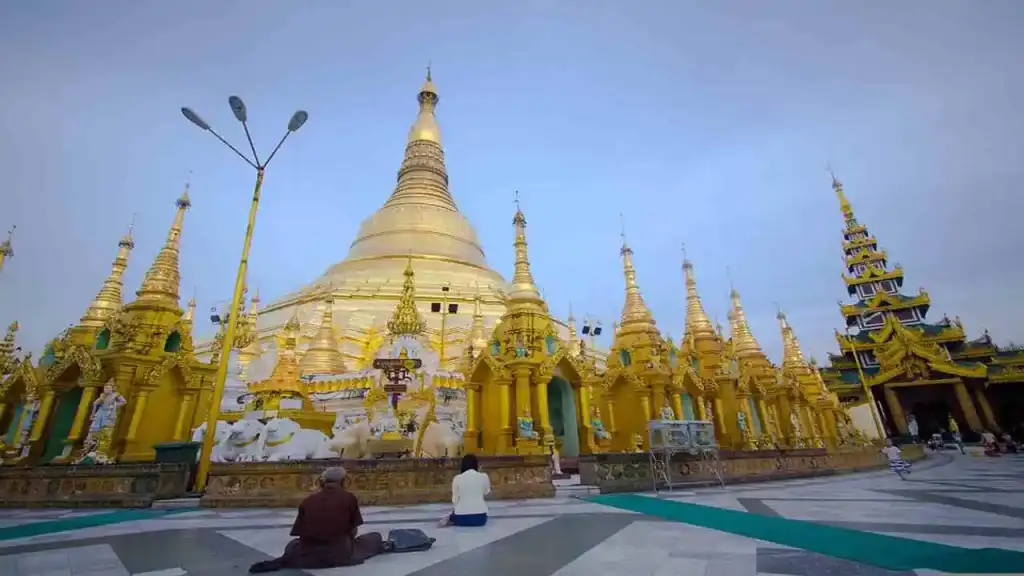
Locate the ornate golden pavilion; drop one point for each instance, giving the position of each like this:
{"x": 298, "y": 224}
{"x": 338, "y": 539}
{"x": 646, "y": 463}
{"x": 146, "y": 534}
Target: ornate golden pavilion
{"x": 530, "y": 382}
{"x": 915, "y": 369}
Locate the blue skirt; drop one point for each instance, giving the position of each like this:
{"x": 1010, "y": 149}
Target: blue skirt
{"x": 467, "y": 519}
{"x": 899, "y": 465}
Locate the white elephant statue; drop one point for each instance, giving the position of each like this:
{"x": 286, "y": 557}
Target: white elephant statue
{"x": 440, "y": 441}
{"x": 219, "y": 436}
{"x": 351, "y": 441}
{"x": 284, "y": 439}
{"x": 244, "y": 442}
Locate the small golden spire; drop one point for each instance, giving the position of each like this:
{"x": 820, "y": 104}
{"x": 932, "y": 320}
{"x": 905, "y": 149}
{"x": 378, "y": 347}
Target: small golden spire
{"x": 524, "y": 289}
{"x": 425, "y": 127}
{"x": 477, "y": 332}
{"x": 323, "y": 357}
{"x": 7, "y": 247}
{"x": 634, "y": 311}
{"x": 574, "y": 337}
{"x": 792, "y": 355}
{"x": 744, "y": 343}
{"x": 406, "y": 319}
{"x": 190, "y": 311}
{"x": 844, "y": 204}
{"x": 161, "y": 283}
{"x": 697, "y": 321}
{"x": 7, "y": 347}
{"x": 109, "y": 300}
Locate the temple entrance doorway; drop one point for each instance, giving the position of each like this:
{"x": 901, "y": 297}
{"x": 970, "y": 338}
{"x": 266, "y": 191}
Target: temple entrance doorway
{"x": 932, "y": 406}
{"x": 1007, "y": 400}
{"x": 60, "y": 422}
{"x": 562, "y": 416}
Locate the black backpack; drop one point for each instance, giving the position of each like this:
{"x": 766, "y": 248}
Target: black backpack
{"x": 409, "y": 540}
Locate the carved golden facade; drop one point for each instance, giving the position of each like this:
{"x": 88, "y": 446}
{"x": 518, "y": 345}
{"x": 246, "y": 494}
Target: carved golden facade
{"x": 142, "y": 349}
{"x": 915, "y": 370}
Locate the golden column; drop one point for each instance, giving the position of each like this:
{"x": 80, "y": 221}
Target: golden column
{"x": 239, "y": 110}
{"x": 970, "y": 413}
{"x": 181, "y": 423}
{"x": 892, "y": 401}
{"x": 471, "y": 437}
{"x": 541, "y": 394}
{"x": 677, "y": 405}
{"x": 505, "y": 432}
{"x": 986, "y": 409}
{"x": 42, "y": 416}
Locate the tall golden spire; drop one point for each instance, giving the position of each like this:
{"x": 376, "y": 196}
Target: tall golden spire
{"x": 161, "y": 283}
{"x": 792, "y": 355}
{"x": 323, "y": 357}
{"x": 7, "y": 347}
{"x": 743, "y": 341}
{"x": 524, "y": 289}
{"x": 477, "y": 332}
{"x": 108, "y": 301}
{"x": 635, "y": 313}
{"x": 7, "y": 247}
{"x": 423, "y": 178}
{"x": 697, "y": 322}
{"x": 407, "y": 320}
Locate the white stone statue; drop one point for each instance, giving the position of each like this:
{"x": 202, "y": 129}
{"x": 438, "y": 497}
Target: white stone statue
{"x": 244, "y": 442}
{"x": 741, "y": 421}
{"x": 284, "y": 439}
{"x": 440, "y": 441}
{"x": 105, "y": 409}
{"x": 350, "y": 439}
{"x": 220, "y": 434}
{"x": 27, "y": 421}
{"x": 666, "y": 412}
{"x": 556, "y": 461}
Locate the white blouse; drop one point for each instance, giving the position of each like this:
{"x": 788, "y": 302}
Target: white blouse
{"x": 468, "y": 491}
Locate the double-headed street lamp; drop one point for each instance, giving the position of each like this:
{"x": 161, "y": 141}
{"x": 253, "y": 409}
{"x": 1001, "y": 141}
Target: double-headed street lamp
{"x": 296, "y": 122}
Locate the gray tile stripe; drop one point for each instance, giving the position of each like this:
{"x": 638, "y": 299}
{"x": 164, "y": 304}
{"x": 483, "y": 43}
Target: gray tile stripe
{"x": 757, "y": 506}
{"x": 963, "y": 503}
{"x": 895, "y": 528}
{"x": 537, "y": 551}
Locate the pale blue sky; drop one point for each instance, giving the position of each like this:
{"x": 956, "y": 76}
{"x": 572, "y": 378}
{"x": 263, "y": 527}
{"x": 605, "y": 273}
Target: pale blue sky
{"x": 708, "y": 123}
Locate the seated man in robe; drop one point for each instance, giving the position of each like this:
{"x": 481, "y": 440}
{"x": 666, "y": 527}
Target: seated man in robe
{"x": 326, "y": 530}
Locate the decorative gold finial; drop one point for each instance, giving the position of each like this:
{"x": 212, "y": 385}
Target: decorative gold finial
{"x": 743, "y": 339}
{"x": 161, "y": 283}
{"x": 844, "y": 204}
{"x": 697, "y": 322}
{"x": 323, "y": 356}
{"x": 428, "y": 71}
{"x": 109, "y": 300}
{"x": 524, "y": 289}
{"x": 792, "y": 355}
{"x": 406, "y": 319}
{"x": 634, "y": 311}
{"x": 7, "y": 247}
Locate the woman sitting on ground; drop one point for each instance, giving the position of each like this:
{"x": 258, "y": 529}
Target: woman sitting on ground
{"x": 468, "y": 491}
{"x": 325, "y": 530}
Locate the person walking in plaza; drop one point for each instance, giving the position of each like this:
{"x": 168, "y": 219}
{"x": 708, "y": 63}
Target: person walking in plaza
{"x": 913, "y": 429}
{"x": 326, "y": 530}
{"x": 954, "y": 430}
{"x": 468, "y": 491}
{"x": 896, "y": 462}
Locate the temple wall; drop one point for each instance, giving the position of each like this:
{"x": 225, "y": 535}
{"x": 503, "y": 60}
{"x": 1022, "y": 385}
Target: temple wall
{"x": 383, "y": 482}
{"x": 80, "y": 486}
{"x": 631, "y": 472}
{"x": 863, "y": 420}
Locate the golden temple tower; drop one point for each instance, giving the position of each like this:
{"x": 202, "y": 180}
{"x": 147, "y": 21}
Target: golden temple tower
{"x": 522, "y": 389}
{"x": 638, "y": 384}
{"x": 804, "y": 385}
{"x": 7, "y": 248}
{"x": 143, "y": 350}
{"x": 756, "y": 392}
{"x": 420, "y": 219}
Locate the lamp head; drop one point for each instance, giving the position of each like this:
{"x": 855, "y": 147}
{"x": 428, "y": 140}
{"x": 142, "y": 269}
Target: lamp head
{"x": 298, "y": 119}
{"x": 238, "y": 108}
{"x": 194, "y": 118}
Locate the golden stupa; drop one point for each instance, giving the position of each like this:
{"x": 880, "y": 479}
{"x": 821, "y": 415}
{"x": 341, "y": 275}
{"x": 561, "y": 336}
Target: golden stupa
{"x": 420, "y": 220}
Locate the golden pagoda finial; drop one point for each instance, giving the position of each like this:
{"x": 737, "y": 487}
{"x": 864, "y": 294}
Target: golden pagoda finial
{"x": 844, "y": 204}
{"x": 190, "y": 310}
{"x": 7, "y": 247}
{"x": 792, "y": 355}
{"x": 744, "y": 343}
{"x": 323, "y": 356}
{"x": 425, "y": 127}
{"x": 574, "y": 337}
{"x": 109, "y": 300}
{"x": 634, "y": 311}
{"x": 697, "y": 321}
{"x": 477, "y": 332}
{"x": 524, "y": 289}
{"x": 7, "y": 347}
{"x": 406, "y": 319}
{"x": 161, "y": 283}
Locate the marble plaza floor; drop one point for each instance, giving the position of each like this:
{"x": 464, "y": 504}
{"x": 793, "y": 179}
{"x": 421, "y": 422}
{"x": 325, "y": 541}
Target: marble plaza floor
{"x": 958, "y": 500}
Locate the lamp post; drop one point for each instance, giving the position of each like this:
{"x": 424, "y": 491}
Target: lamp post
{"x": 444, "y": 308}
{"x": 867, "y": 389}
{"x": 296, "y": 122}
{"x": 592, "y": 329}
